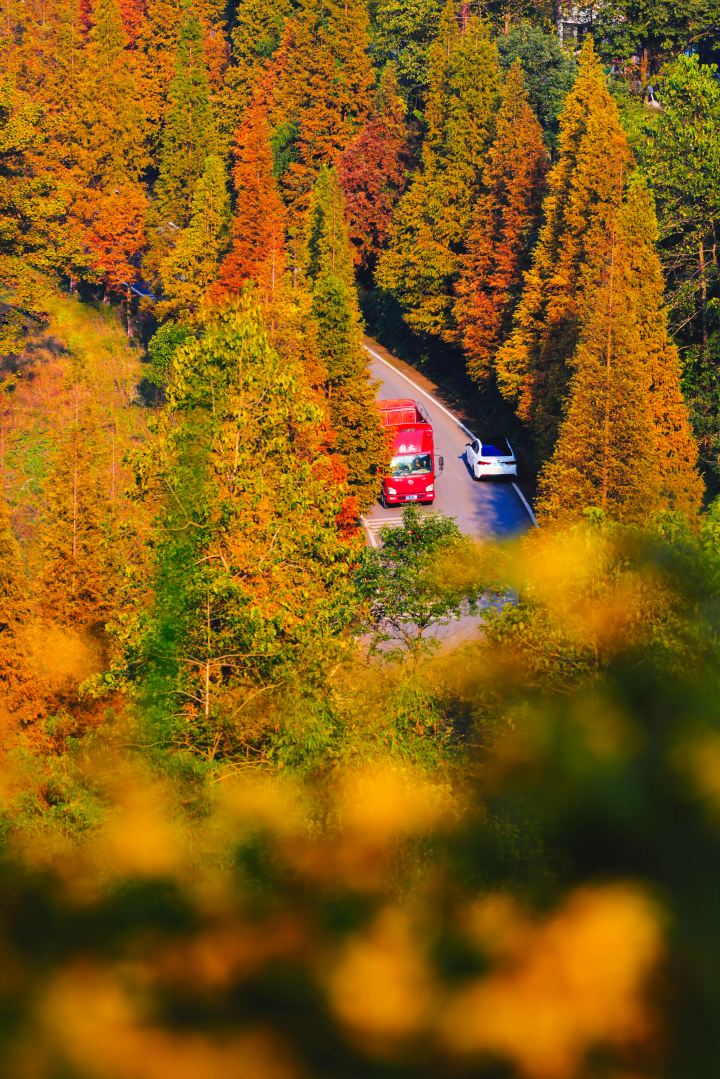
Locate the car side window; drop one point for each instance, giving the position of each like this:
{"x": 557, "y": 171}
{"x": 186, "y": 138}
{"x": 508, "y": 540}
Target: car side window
{"x": 476, "y": 446}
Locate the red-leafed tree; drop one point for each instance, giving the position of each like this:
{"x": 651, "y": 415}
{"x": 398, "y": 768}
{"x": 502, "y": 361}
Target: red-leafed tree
{"x": 372, "y": 172}
{"x": 133, "y": 13}
{"x": 258, "y": 229}
{"x": 116, "y": 235}
{"x": 86, "y": 17}
{"x": 504, "y": 221}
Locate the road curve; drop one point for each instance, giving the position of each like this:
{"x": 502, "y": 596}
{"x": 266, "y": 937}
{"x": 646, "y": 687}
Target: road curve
{"x": 488, "y": 509}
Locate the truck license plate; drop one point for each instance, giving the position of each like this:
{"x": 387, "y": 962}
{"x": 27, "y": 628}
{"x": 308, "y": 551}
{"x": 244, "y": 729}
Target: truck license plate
{"x": 410, "y": 497}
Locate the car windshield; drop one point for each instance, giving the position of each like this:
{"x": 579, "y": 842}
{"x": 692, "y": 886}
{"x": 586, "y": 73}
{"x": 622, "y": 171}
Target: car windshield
{"x": 413, "y": 464}
{"x": 488, "y": 450}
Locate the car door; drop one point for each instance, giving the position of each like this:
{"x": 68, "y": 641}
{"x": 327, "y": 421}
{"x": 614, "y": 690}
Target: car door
{"x": 472, "y": 452}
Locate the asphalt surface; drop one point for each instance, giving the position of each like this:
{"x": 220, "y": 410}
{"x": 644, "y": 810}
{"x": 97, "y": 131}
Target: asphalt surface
{"x": 484, "y": 509}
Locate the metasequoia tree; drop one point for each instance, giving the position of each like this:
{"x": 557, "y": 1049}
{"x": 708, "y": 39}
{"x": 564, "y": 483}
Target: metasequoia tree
{"x": 372, "y": 172}
{"x": 322, "y": 93}
{"x": 21, "y": 688}
{"x": 682, "y": 158}
{"x": 404, "y": 34}
{"x": 257, "y": 30}
{"x": 359, "y": 438}
{"x": 504, "y": 224}
{"x": 31, "y": 211}
{"x": 75, "y": 581}
{"x": 258, "y": 229}
{"x": 96, "y": 140}
{"x": 116, "y": 233}
{"x": 430, "y": 223}
{"x": 191, "y": 268}
{"x": 189, "y": 133}
{"x": 585, "y": 190}
{"x": 253, "y": 581}
{"x": 624, "y": 444}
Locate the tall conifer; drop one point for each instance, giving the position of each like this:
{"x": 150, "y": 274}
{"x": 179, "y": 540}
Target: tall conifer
{"x": 373, "y": 172}
{"x": 625, "y": 444}
{"x": 585, "y": 191}
{"x": 359, "y": 438}
{"x": 257, "y": 30}
{"x": 258, "y": 229}
{"x": 189, "y": 134}
{"x": 192, "y": 267}
{"x": 504, "y": 224}
{"x": 322, "y": 95}
{"x": 431, "y": 221}
{"x": 74, "y": 584}
{"x": 21, "y": 689}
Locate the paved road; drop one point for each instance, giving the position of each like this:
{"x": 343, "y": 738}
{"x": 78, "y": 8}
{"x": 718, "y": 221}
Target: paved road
{"x": 484, "y": 509}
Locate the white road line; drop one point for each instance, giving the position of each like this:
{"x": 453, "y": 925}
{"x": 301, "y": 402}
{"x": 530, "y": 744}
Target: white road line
{"x": 447, "y": 412}
{"x": 419, "y": 389}
{"x": 370, "y": 535}
{"x": 526, "y": 504}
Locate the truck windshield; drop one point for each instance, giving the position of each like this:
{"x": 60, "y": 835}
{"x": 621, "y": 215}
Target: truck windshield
{"x": 413, "y": 464}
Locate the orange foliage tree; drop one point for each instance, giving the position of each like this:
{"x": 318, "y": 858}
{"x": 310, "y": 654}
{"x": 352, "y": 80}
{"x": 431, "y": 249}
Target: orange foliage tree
{"x": 117, "y": 235}
{"x": 372, "y": 172}
{"x": 503, "y": 227}
{"x": 322, "y": 95}
{"x": 258, "y": 229}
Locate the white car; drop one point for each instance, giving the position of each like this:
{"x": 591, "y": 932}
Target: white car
{"x": 491, "y": 458}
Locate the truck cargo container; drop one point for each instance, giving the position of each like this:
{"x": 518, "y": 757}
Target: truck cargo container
{"x": 412, "y": 473}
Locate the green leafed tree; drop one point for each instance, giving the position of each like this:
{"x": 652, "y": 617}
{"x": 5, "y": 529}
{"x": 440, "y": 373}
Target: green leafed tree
{"x": 422, "y": 263}
{"x": 650, "y": 33}
{"x": 359, "y": 438}
{"x": 189, "y": 134}
{"x": 425, "y": 575}
{"x": 404, "y": 33}
{"x": 192, "y": 267}
{"x": 682, "y": 160}
{"x": 548, "y": 72}
{"x": 253, "y": 579}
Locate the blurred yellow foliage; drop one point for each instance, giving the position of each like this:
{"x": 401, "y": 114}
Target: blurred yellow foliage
{"x": 562, "y": 986}
{"x": 381, "y": 986}
{"x": 99, "y": 1023}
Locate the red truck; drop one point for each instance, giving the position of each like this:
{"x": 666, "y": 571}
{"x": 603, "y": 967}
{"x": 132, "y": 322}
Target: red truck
{"x": 412, "y": 470}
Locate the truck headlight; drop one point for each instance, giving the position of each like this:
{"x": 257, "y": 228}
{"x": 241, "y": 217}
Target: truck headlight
{"x": 431, "y": 487}
{"x": 391, "y": 491}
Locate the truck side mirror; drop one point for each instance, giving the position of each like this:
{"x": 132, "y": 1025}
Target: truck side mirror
{"x": 441, "y": 464}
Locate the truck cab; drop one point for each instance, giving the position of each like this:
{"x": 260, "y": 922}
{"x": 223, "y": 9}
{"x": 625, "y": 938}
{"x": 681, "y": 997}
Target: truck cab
{"x": 411, "y": 475}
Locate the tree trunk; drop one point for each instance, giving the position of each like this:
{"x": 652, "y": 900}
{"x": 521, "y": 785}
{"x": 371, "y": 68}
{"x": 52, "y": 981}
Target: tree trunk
{"x": 608, "y": 355}
{"x": 703, "y": 296}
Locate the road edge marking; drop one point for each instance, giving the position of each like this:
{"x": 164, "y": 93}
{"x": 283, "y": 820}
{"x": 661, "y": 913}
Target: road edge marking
{"x": 447, "y": 412}
{"x": 368, "y": 531}
{"x": 526, "y": 504}
{"x": 419, "y": 389}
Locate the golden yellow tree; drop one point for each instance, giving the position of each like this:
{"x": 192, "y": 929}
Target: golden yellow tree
{"x": 504, "y": 225}
{"x": 625, "y": 444}
{"x": 585, "y": 191}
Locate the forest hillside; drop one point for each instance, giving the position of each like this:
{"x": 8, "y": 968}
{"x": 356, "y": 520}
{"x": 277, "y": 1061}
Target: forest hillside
{"x": 254, "y": 819}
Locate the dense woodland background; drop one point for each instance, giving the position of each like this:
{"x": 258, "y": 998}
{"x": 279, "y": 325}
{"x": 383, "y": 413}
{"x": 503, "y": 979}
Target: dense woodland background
{"x": 252, "y": 822}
